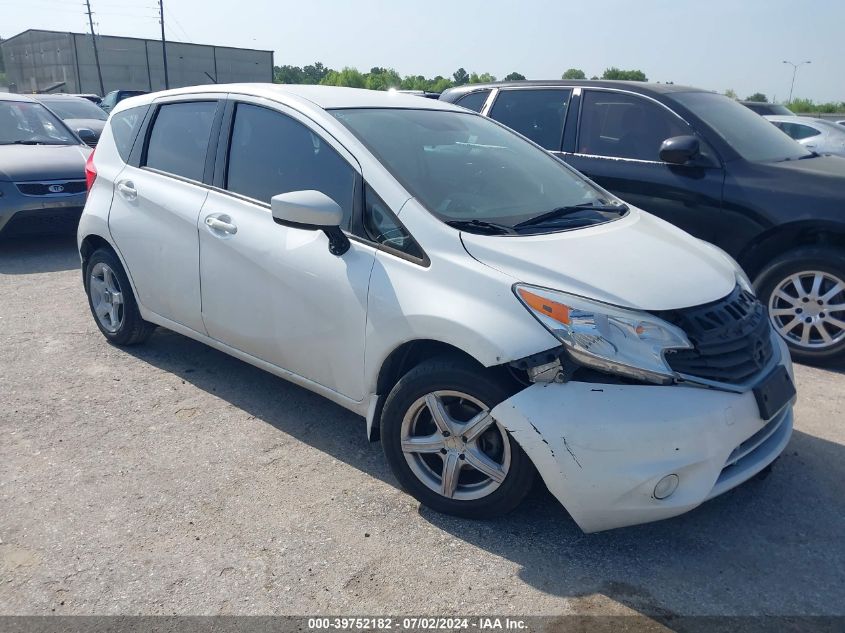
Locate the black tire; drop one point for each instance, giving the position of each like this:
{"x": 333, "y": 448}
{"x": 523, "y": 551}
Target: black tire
{"x": 132, "y": 329}
{"x": 826, "y": 260}
{"x": 451, "y": 374}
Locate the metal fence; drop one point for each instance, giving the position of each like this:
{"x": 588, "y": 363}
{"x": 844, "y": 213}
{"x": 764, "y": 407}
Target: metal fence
{"x": 38, "y": 60}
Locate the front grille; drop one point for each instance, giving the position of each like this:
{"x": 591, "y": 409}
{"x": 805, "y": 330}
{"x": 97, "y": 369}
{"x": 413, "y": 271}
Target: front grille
{"x": 731, "y": 339}
{"x": 43, "y": 188}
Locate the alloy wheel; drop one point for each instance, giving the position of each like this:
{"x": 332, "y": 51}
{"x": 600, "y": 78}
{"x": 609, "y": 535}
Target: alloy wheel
{"x": 106, "y": 297}
{"x": 808, "y": 309}
{"x": 454, "y": 446}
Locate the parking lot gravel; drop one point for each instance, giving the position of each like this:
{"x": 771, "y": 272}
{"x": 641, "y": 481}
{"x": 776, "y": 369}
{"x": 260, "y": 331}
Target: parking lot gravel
{"x": 170, "y": 478}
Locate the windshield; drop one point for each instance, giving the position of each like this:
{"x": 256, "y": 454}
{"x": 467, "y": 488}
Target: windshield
{"x": 26, "y": 123}
{"x": 76, "y": 109}
{"x": 750, "y": 135}
{"x": 471, "y": 171}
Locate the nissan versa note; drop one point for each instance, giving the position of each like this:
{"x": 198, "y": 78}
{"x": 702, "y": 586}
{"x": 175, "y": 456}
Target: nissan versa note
{"x": 490, "y": 312}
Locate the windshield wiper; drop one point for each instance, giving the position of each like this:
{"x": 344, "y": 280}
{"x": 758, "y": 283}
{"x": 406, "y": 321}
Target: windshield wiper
{"x": 31, "y": 142}
{"x": 561, "y": 212}
{"x": 481, "y": 226}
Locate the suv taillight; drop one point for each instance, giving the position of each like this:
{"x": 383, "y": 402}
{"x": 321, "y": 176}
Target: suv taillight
{"x": 90, "y": 171}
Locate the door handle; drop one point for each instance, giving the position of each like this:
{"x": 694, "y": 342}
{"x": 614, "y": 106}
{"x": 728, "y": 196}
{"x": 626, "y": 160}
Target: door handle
{"x": 216, "y": 224}
{"x": 127, "y": 189}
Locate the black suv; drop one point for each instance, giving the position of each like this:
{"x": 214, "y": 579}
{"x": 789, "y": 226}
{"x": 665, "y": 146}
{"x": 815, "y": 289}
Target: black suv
{"x": 712, "y": 167}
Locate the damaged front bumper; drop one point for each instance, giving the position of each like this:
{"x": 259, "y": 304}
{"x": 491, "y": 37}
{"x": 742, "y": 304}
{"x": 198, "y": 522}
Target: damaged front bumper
{"x": 603, "y": 448}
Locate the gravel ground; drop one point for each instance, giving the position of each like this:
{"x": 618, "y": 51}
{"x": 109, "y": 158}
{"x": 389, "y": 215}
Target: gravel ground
{"x": 171, "y": 478}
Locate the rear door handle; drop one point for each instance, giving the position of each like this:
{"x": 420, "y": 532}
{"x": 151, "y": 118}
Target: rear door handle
{"x": 221, "y": 224}
{"x": 127, "y": 189}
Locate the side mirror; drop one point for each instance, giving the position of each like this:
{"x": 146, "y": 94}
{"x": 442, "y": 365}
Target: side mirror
{"x": 88, "y": 136}
{"x": 314, "y": 211}
{"x": 679, "y": 150}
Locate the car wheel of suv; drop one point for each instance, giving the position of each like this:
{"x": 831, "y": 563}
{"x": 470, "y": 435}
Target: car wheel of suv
{"x": 112, "y": 302}
{"x": 445, "y": 448}
{"x": 804, "y": 291}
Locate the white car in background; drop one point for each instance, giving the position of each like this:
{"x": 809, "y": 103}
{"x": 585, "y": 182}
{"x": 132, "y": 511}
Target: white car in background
{"x": 488, "y": 310}
{"x": 819, "y": 135}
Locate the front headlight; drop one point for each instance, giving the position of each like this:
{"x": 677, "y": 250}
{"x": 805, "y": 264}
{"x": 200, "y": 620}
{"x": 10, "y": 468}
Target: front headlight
{"x": 620, "y": 341}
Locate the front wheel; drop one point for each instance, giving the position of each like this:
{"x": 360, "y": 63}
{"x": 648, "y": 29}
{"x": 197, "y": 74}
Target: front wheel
{"x": 444, "y": 446}
{"x": 804, "y": 291}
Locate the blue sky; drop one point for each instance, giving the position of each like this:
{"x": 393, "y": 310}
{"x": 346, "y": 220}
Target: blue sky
{"x": 717, "y": 44}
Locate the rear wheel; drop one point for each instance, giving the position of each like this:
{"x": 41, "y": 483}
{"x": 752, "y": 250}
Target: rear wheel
{"x": 444, "y": 446}
{"x": 111, "y": 300}
{"x": 804, "y": 291}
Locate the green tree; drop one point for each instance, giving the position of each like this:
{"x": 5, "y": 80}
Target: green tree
{"x": 439, "y": 84}
{"x": 315, "y": 73}
{"x": 626, "y": 75}
{"x": 382, "y": 79}
{"x": 573, "y": 73}
{"x": 461, "y": 77}
{"x": 730, "y": 92}
{"x": 349, "y": 77}
{"x": 757, "y": 96}
{"x": 287, "y": 75}
{"x": 483, "y": 78}
{"x": 807, "y": 106}
{"x": 515, "y": 77}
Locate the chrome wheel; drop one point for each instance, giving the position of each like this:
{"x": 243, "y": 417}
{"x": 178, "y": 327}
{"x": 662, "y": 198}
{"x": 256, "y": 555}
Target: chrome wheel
{"x": 106, "y": 297}
{"x": 454, "y": 446}
{"x": 808, "y": 309}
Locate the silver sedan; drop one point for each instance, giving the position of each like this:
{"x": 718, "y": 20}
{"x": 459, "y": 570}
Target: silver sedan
{"x": 823, "y": 137}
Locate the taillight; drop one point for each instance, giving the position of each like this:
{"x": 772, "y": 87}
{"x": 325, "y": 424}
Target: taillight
{"x": 90, "y": 171}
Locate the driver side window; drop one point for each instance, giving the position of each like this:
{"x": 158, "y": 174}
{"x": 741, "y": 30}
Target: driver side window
{"x": 383, "y": 227}
{"x": 625, "y": 126}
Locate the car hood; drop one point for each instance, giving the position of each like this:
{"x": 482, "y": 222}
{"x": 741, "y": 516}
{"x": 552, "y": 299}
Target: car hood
{"x": 42, "y": 162}
{"x": 832, "y": 167}
{"x": 638, "y": 261}
{"x": 95, "y": 125}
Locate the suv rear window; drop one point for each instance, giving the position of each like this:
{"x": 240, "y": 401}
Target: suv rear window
{"x": 124, "y": 129}
{"x": 179, "y": 138}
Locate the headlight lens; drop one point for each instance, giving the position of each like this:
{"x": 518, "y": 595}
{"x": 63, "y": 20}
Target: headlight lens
{"x": 625, "y": 342}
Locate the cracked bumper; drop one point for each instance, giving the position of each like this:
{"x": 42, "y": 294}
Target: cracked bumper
{"x": 601, "y": 448}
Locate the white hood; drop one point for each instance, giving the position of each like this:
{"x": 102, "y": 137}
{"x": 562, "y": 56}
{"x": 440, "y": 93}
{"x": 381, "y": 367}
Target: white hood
{"x": 638, "y": 261}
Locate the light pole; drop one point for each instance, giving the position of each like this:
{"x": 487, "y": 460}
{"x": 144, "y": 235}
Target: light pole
{"x": 794, "y": 72}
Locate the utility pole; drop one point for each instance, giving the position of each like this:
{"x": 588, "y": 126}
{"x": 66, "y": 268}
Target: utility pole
{"x": 96, "y": 53}
{"x": 794, "y": 72}
{"x": 163, "y": 43}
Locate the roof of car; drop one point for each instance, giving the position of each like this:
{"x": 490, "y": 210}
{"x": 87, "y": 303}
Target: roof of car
{"x": 12, "y": 96}
{"x": 634, "y": 86}
{"x": 326, "y": 97}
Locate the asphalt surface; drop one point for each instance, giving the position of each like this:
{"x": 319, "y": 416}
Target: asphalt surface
{"x": 171, "y": 478}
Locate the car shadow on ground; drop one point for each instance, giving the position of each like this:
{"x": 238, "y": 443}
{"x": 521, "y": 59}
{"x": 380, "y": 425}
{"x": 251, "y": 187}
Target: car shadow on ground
{"x": 38, "y": 254}
{"x": 772, "y": 546}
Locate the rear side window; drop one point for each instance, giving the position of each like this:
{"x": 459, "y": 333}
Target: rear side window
{"x": 124, "y": 129}
{"x": 474, "y": 101}
{"x": 271, "y": 153}
{"x": 798, "y": 131}
{"x": 537, "y": 114}
{"x": 625, "y": 126}
{"x": 179, "y": 138}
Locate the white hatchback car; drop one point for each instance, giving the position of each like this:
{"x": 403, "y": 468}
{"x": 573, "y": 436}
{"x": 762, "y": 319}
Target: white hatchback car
{"x": 490, "y": 311}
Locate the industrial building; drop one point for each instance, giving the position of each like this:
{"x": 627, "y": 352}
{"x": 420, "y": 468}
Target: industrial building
{"x": 37, "y": 61}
